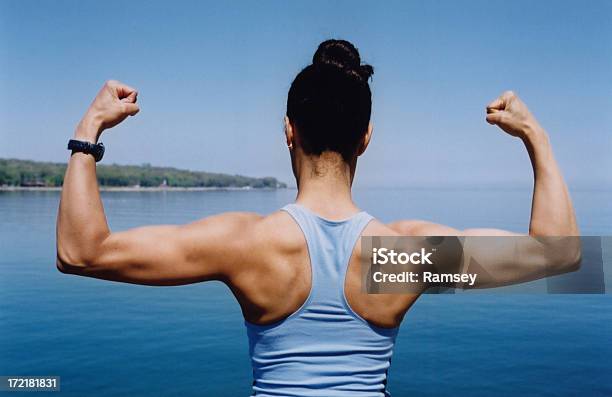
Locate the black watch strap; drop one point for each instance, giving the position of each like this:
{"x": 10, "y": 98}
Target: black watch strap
{"x": 95, "y": 149}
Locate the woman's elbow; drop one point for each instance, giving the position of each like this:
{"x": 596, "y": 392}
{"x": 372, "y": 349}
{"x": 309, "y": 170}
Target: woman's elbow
{"x": 77, "y": 256}
{"x": 574, "y": 260}
{"x": 69, "y": 262}
{"x": 67, "y": 267}
{"x": 60, "y": 265}
{"x": 570, "y": 257}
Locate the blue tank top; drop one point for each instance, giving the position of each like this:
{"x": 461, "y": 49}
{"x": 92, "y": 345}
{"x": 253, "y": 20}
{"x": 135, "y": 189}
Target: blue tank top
{"x": 324, "y": 348}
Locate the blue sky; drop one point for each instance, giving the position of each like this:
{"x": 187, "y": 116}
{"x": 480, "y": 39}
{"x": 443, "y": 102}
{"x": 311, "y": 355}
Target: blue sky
{"x": 213, "y": 79}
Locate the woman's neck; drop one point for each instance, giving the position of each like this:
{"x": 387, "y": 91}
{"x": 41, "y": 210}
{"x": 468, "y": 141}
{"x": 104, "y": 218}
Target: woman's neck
{"x": 324, "y": 186}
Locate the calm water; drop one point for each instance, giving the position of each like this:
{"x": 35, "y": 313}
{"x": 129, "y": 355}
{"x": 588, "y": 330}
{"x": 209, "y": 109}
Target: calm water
{"x": 111, "y": 339}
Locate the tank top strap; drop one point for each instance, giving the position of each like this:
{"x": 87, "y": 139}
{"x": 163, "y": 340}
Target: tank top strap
{"x": 353, "y": 232}
{"x": 330, "y": 246}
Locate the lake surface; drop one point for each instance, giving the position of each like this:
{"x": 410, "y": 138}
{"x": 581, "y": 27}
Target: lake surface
{"x": 110, "y": 339}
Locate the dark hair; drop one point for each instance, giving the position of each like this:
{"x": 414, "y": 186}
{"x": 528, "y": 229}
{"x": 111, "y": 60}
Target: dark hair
{"x": 330, "y": 101}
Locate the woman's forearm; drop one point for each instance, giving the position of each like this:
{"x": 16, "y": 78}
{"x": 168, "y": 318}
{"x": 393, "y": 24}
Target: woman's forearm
{"x": 552, "y": 212}
{"x": 81, "y": 224}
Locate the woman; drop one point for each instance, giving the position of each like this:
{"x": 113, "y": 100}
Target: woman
{"x": 295, "y": 273}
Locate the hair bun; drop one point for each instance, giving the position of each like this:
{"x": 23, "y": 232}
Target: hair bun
{"x": 344, "y": 55}
{"x": 366, "y": 71}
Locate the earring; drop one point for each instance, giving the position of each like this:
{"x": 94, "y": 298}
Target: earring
{"x": 290, "y": 146}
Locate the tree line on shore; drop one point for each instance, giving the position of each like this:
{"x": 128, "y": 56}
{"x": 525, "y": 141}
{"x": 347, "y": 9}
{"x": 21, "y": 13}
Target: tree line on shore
{"x": 27, "y": 173}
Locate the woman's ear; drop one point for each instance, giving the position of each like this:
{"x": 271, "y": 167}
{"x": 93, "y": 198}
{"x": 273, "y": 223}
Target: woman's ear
{"x": 366, "y": 139}
{"x": 289, "y": 132}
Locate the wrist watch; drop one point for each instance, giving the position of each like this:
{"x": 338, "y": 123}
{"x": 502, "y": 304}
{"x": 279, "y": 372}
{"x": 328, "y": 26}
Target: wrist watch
{"x": 95, "y": 149}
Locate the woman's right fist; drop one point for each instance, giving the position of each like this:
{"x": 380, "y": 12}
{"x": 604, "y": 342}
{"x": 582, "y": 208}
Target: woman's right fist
{"x": 511, "y": 115}
{"x": 112, "y": 105}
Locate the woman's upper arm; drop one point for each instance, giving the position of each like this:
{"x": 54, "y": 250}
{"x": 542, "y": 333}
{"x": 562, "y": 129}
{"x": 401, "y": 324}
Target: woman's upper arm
{"x": 501, "y": 261}
{"x": 172, "y": 255}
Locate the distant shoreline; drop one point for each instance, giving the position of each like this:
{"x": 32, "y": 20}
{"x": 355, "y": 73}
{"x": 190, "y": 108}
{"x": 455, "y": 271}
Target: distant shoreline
{"x": 137, "y": 189}
{"x": 32, "y": 175}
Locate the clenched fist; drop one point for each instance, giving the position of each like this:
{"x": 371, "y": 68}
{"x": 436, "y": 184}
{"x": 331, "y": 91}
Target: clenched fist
{"x": 511, "y": 115}
{"x": 111, "y": 106}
